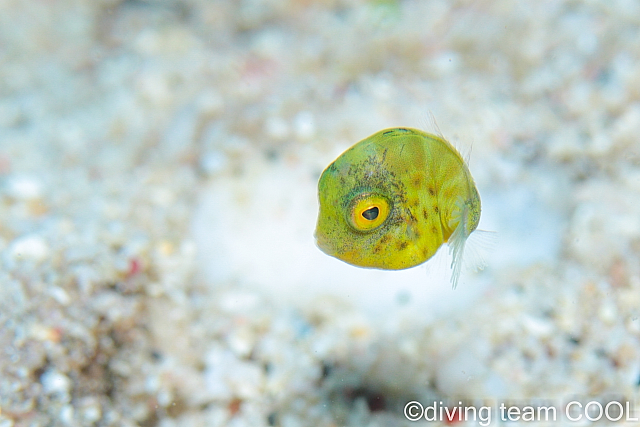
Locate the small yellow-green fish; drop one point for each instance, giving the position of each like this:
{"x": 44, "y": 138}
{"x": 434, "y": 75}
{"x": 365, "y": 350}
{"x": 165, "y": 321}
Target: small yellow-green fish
{"x": 393, "y": 199}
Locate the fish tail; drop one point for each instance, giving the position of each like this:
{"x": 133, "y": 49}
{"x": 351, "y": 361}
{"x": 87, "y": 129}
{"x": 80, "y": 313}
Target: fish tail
{"x": 458, "y": 239}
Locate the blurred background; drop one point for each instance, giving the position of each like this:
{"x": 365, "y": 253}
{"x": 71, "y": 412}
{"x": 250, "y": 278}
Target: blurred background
{"x": 158, "y": 172}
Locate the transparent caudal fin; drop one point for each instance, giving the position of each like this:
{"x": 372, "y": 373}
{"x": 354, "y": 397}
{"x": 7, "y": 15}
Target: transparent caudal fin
{"x": 479, "y": 246}
{"x": 456, "y": 249}
{"x": 471, "y": 250}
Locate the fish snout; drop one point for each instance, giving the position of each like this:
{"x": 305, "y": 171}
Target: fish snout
{"x": 322, "y": 243}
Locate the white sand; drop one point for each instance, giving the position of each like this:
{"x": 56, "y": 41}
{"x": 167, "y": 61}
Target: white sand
{"x": 158, "y": 164}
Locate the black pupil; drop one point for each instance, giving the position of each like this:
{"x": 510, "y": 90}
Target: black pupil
{"x": 371, "y": 213}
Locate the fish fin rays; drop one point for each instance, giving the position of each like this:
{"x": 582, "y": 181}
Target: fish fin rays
{"x": 456, "y": 250}
{"x": 433, "y": 124}
{"x": 468, "y": 250}
{"x": 479, "y": 246}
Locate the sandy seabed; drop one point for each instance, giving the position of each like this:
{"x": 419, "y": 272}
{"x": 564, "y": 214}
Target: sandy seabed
{"x": 158, "y": 169}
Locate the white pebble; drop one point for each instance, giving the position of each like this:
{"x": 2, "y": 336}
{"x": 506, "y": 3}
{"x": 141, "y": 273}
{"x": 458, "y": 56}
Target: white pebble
{"x": 24, "y": 187}
{"x": 608, "y": 313}
{"x": 66, "y": 414}
{"x": 213, "y": 161}
{"x": 60, "y": 295}
{"x": 537, "y": 326}
{"x": 162, "y": 197}
{"x": 55, "y": 382}
{"x": 164, "y": 398}
{"x": 152, "y": 384}
{"x": 276, "y": 128}
{"x": 33, "y": 247}
{"x": 92, "y": 413}
{"x": 304, "y": 125}
{"x": 241, "y": 341}
{"x": 446, "y": 63}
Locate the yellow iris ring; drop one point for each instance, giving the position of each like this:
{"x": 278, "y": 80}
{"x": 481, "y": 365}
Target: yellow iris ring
{"x": 363, "y": 212}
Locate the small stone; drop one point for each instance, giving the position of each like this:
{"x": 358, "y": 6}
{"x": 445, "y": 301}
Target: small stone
{"x": 66, "y": 414}
{"x": 55, "y": 382}
{"x": 60, "y": 295}
{"x": 32, "y": 247}
{"x": 24, "y": 188}
{"x": 42, "y": 332}
{"x": 164, "y": 397}
{"x": 608, "y": 313}
{"x": 304, "y": 125}
{"x": 446, "y": 63}
{"x": 162, "y": 197}
{"x": 276, "y": 128}
{"x": 537, "y": 326}
{"x": 213, "y": 161}
{"x": 241, "y": 341}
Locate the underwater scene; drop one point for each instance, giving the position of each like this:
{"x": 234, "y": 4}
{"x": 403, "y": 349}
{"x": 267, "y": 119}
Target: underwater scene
{"x": 292, "y": 213}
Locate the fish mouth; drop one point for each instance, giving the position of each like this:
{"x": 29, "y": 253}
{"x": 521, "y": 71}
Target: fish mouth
{"x": 321, "y": 242}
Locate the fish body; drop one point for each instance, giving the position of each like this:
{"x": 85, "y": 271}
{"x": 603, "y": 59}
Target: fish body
{"x": 394, "y": 198}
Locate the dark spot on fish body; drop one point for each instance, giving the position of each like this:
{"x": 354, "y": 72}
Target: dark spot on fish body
{"x": 417, "y": 181}
{"x": 448, "y": 193}
{"x": 385, "y": 239}
{"x": 402, "y": 245}
{"x": 434, "y": 230}
{"x": 425, "y": 214}
{"x": 432, "y": 192}
{"x": 436, "y": 209}
{"x": 377, "y": 249}
{"x": 415, "y": 202}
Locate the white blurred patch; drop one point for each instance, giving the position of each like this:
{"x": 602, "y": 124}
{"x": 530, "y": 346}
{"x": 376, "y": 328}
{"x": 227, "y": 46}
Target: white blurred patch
{"x": 528, "y": 223}
{"x": 257, "y": 230}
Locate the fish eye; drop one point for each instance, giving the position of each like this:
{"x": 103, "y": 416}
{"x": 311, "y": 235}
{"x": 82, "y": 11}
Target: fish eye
{"x": 368, "y": 212}
{"x": 371, "y": 213}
